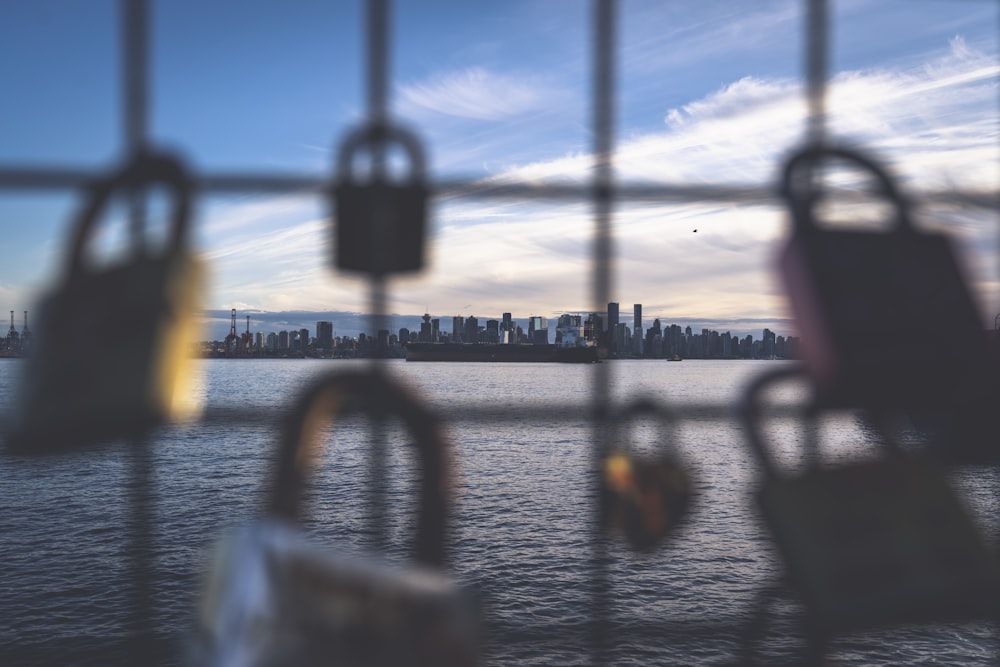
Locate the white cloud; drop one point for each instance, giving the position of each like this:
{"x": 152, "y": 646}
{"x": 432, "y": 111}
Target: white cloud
{"x": 479, "y": 94}
{"x": 935, "y": 124}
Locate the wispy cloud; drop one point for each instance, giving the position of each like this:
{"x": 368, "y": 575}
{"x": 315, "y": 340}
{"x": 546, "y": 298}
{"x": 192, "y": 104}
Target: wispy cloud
{"x": 479, "y": 94}
{"x": 934, "y": 122}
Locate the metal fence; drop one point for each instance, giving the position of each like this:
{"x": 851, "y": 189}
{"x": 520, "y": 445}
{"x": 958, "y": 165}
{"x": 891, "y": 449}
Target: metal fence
{"x": 603, "y": 193}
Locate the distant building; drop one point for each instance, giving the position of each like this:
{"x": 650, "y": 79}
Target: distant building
{"x": 621, "y": 338}
{"x": 538, "y": 330}
{"x": 507, "y": 329}
{"x": 426, "y": 330}
{"x": 637, "y": 330}
{"x": 492, "y": 333}
{"x": 471, "y": 334}
{"x": 324, "y": 335}
{"x": 457, "y": 329}
{"x": 609, "y": 334}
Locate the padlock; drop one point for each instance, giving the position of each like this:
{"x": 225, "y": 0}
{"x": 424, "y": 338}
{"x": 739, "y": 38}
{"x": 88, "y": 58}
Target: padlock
{"x": 885, "y": 318}
{"x": 380, "y": 224}
{"x": 112, "y": 347}
{"x": 871, "y": 542}
{"x": 644, "y": 497}
{"x": 273, "y": 598}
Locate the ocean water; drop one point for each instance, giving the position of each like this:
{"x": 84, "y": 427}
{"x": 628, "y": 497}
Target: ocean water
{"x": 522, "y": 529}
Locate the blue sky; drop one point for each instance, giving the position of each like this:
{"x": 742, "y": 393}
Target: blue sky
{"x": 709, "y": 92}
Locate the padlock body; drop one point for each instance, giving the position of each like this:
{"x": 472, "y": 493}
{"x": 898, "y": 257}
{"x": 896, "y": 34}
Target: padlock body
{"x": 886, "y": 320}
{"x": 879, "y": 542}
{"x": 380, "y": 227}
{"x": 274, "y": 599}
{"x": 111, "y": 356}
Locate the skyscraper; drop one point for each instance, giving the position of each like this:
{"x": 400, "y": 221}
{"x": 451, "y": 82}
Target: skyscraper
{"x": 538, "y": 330}
{"x": 637, "y": 330}
{"x": 507, "y": 328}
{"x": 471, "y": 329}
{"x": 425, "y": 329}
{"x": 324, "y": 335}
{"x": 611, "y": 340}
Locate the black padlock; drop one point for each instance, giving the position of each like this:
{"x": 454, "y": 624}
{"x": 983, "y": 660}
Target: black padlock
{"x": 644, "y": 497}
{"x": 112, "y": 346}
{"x": 886, "y": 319}
{"x": 380, "y": 223}
{"x": 273, "y": 598}
{"x": 871, "y": 542}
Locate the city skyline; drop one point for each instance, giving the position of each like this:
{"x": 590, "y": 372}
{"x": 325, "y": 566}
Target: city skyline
{"x": 707, "y": 94}
{"x": 217, "y": 322}
{"x": 601, "y": 333}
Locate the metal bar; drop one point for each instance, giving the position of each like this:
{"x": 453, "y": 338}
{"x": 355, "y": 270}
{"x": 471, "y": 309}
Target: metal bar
{"x": 59, "y": 178}
{"x": 378, "y": 82}
{"x": 134, "y": 24}
{"x": 378, "y": 60}
{"x": 602, "y": 185}
{"x": 135, "y": 18}
{"x": 816, "y": 69}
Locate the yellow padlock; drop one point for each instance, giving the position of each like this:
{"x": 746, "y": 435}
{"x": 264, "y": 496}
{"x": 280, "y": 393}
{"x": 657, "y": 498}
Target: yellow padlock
{"x": 112, "y": 342}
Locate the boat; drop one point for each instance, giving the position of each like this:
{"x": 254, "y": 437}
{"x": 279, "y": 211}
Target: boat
{"x": 676, "y": 357}
{"x": 502, "y": 353}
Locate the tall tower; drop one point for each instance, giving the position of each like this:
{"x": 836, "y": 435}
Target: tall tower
{"x": 426, "y": 335}
{"x": 507, "y": 328}
{"x": 612, "y": 324}
{"x": 637, "y": 329}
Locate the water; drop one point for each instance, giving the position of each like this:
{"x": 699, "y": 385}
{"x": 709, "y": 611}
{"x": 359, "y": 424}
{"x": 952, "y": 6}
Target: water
{"x": 523, "y": 512}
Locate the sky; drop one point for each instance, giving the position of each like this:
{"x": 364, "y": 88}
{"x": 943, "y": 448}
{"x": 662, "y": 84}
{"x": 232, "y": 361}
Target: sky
{"x": 707, "y": 93}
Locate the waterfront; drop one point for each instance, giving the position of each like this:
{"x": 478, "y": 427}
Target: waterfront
{"x": 522, "y": 511}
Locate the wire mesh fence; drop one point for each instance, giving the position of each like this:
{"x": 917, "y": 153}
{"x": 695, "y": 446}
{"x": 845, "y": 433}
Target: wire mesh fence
{"x": 602, "y": 192}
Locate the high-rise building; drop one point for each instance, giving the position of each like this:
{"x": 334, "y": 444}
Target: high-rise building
{"x": 303, "y": 340}
{"x": 426, "y": 330}
{"x": 492, "y": 332}
{"x": 507, "y": 329}
{"x": 457, "y": 329}
{"x": 471, "y": 329}
{"x": 612, "y": 340}
{"x": 324, "y": 335}
{"x": 435, "y": 330}
{"x": 404, "y": 335}
{"x": 637, "y": 329}
{"x": 538, "y": 330}
{"x": 593, "y": 328}
{"x": 612, "y": 316}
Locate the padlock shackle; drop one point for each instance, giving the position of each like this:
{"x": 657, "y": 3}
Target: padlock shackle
{"x": 375, "y": 134}
{"x": 143, "y": 169}
{"x": 749, "y": 411}
{"x": 808, "y": 158}
{"x": 647, "y": 407}
{"x": 375, "y": 394}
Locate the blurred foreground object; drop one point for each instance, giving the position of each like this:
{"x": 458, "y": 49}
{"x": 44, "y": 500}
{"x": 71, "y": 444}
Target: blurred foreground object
{"x": 111, "y": 348}
{"x": 380, "y": 224}
{"x": 644, "y": 497}
{"x": 274, "y": 599}
{"x": 886, "y": 319}
{"x": 872, "y": 542}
